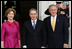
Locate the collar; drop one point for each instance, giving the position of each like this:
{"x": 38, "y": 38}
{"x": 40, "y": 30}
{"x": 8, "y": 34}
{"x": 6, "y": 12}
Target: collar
{"x": 35, "y": 20}
{"x": 9, "y": 23}
{"x": 55, "y": 16}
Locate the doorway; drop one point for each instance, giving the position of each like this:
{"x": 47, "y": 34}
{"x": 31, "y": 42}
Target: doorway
{"x": 22, "y": 12}
{"x": 25, "y": 6}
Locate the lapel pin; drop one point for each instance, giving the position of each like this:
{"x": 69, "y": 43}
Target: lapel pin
{"x": 57, "y": 20}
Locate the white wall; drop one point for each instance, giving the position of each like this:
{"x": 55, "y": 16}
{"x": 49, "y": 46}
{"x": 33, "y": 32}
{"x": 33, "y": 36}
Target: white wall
{"x": 43, "y": 5}
{"x": 70, "y": 25}
{"x": 70, "y": 10}
{"x": 70, "y": 7}
{"x": 1, "y": 13}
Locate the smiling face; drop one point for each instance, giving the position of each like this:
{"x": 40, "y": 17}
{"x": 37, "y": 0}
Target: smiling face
{"x": 10, "y": 15}
{"x": 53, "y": 10}
{"x": 33, "y": 14}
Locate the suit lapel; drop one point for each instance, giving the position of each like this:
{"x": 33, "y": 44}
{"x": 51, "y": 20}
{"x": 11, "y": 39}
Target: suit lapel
{"x": 37, "y": 25}
{"x": 57, "y": 20}
{"x": 50, "y": 23}
{"x": 30, "y": 25}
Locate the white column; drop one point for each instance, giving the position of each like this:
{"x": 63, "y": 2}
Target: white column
{"x": 1, "y": 13}
{"x": 43, "y": 5}
{"x": 70, "y": 10}
{"x": 70, "y": 25}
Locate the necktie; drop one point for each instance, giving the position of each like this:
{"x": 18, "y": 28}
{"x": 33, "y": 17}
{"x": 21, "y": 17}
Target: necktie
{"x": 34, "y": 25}
{"x": 53, "y": 24}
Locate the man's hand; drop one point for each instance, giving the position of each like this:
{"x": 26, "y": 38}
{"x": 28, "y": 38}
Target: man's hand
{"x": 43, "y": 47}
{"x": 65, "y": 45}
{"x": 24, "y": 47}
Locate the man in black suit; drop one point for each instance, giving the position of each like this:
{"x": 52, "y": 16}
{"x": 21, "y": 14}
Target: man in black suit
{"x": 34, "y": 32}
{"x": 57, "y": 29}
{"x": 60, "y": 11}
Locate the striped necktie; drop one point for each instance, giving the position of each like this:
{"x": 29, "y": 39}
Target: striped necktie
{"x": 34, "y": 25}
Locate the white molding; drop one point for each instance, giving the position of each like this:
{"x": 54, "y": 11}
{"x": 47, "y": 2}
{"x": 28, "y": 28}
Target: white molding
{"x": 70, "y": 8}
{"x": 70, "y": 12}
{"x": 1, "y": 13}
{"x": 70, "y": 25}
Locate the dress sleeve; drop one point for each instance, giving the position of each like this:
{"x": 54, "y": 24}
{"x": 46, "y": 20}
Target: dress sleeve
{"x": 2, "y": 32}
{"x": 18, "y": 31}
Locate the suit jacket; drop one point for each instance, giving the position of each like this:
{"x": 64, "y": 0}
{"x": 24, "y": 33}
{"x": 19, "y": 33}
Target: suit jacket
{"x": 34, "y": 38}
{"x": 60, "y": 36}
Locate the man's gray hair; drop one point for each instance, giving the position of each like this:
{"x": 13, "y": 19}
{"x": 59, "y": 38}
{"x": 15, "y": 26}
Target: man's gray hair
{"x": 32, "y": 9}
{"x": 53, "y": 5}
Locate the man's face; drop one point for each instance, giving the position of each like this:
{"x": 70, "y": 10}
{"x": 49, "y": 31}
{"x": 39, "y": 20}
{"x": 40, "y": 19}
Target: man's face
{"x": 53, "y": 10}
{"x": 33, "y": 14}
{"x": 59, "y": 5}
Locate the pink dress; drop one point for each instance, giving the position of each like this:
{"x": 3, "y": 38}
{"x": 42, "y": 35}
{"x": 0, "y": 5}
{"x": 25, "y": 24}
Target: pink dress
{"x": 10, "y": 34}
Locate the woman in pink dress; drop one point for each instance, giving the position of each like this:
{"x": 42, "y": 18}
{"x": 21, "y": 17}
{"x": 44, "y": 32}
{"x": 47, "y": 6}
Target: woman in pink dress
{"x": 10, "y": 33}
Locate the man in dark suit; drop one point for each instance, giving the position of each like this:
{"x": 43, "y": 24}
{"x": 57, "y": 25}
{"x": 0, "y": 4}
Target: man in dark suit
{"x": 60, "y": 11}
{"x": 34, "y": 32}
{"x": 57, "y": 29}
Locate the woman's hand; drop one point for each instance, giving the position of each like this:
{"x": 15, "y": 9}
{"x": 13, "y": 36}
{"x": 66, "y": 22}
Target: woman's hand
{"x": 19, "y": 44}
{"x": 2, "y": 44}
{"x": 43, "y": 47}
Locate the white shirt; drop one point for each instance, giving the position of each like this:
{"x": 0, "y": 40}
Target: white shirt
{"x": 32, "y": 25}
{"x": 54, "y": 19}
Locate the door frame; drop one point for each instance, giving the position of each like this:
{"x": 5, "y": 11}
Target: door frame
{"x": 1, "y": 13}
